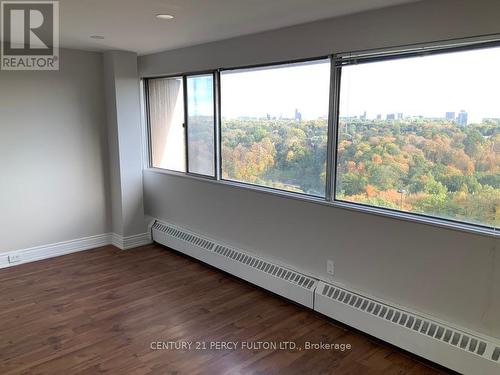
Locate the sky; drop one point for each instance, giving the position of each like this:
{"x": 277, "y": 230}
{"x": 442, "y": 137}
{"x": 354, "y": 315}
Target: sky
{"x": 429, "y": 86}
{"x": 200, "y": 95}
{"x": 277, "y": 91}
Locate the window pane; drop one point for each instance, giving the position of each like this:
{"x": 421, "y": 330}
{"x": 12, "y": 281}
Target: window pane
{"x": 274, "y": 126}
{"x": 166, "y": 115}
{"x": 200, "y": 93}
{"x": 422, "y": 135}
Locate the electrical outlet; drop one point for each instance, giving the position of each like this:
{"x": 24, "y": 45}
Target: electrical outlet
{"x": 14, "y": 258}
{"x": 329, "y": 267}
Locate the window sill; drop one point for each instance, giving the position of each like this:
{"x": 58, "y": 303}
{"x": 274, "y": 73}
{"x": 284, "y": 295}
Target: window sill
{"x": 442, "y": 223}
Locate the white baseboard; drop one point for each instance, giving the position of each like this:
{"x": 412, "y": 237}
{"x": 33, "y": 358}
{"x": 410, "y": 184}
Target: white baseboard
{"x": 53, "y": 250}
{"x": 126, "y": 243}
{"x": 33, "y": 254}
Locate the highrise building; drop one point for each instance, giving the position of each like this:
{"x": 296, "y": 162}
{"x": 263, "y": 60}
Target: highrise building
{"x": 391, "y": 116}
{"x": 462, "y": 118}
{"x": 298, "y": 115}
{"x": 450, "y": 116}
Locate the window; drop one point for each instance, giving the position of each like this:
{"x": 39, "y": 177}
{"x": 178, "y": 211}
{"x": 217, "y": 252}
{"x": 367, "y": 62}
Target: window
{"x": 166, "y": 121}
{"x": 201, "y": 124}
{"x": 414, "y": 131}
{"x": 422, "y": 135}
{"x": 178, "y": 129}
{"x": 274, "y": 126}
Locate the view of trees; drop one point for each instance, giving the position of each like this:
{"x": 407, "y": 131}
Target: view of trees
{"x": 200, "y": 124}
{"x": 201, "y": 145}
{"x": 282, "y": 154}
{"x": 432, "y": 167}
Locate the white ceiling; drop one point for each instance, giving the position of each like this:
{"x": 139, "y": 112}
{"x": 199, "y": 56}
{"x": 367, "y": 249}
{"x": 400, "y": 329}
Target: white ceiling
{"x": 131, "y": 24}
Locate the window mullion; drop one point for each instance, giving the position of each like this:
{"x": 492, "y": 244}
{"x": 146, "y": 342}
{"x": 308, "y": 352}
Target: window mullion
{"x": 216, "y": 115}
{"x": 333, "y": 120}
{"x": 218, "y": 134}
{"x": 186, "y": 142}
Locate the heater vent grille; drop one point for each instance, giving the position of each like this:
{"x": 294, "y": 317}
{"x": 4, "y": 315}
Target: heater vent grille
{"x": 496, "y": 354}
{"x": 269, "y": 268}
{"x": 184, "y": 236}
{"x": 407, "y": 320}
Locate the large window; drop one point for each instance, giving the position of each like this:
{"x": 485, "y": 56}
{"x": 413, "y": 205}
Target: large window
{"x": 414, "y": 131}
{"x": 274, "y": 126}
{"x": 422, "y": 135}
{"x": 166, "y": 122}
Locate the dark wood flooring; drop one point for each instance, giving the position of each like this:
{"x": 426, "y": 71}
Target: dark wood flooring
{"x": 99, "y": 311}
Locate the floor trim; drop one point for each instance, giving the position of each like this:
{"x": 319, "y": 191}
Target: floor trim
{"x": 130, "y": 242}
{"x": 33, "y": 254}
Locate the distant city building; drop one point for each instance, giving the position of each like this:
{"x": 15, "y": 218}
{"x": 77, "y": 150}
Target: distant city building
{"x": 348, "y": 118}
{"x": 363, "y": 116}
{"x": 450, "y": 116}
{"x": 462, "y": 118}
{"x": 400, "y": 116}
{"x": 298, "y": 115}
{"x": 379, "y": 117}
{"x": 391, "y": 116}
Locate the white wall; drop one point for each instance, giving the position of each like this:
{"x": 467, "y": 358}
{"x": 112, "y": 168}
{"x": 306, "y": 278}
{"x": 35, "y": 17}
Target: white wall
{"x": 123, "y": 110}
{"x": 449, "y": 274}
{"x": 53, "y": 153}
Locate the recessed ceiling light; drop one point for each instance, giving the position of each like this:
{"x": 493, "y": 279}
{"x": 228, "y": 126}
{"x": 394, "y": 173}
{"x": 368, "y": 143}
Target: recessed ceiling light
{"x": 164, "y": 16}
{"x": 100, "y": 37}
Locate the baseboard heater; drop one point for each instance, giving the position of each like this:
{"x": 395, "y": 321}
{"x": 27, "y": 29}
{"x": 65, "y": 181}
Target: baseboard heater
{"x": 277, "y": 279}
{"x": 454, "y": 348}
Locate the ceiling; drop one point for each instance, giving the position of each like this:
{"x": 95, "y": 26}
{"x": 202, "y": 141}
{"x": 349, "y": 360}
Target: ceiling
{"x": 131, "y": 24}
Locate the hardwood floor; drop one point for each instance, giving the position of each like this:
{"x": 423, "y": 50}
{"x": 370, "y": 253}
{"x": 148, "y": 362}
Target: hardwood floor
{"x": 99, "y": 311}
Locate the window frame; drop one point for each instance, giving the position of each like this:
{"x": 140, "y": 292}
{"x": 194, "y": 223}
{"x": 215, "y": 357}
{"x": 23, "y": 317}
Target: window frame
{"x": 147, "y": 115}
{"x": 341, "y": 60}
{"x": 186, "y": 120}
{"x": 337, "y": 61}
{"x": 329, "y": 129}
